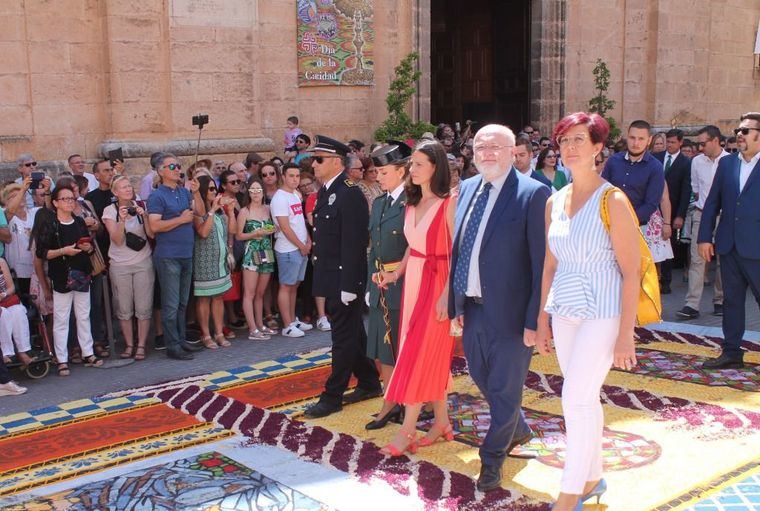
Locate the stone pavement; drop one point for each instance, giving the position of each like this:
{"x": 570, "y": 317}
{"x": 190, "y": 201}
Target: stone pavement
{"x": 89, "y": 382}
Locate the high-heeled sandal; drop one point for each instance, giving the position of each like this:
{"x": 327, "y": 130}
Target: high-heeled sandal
{"x": 140, "y": 353}
{"x": 392, "y": 451}
{"x": 128, "y": 352}
{"x": 222, "y": 341}
{"x": 209, "y": 343}
{"x": 446, "y": 433}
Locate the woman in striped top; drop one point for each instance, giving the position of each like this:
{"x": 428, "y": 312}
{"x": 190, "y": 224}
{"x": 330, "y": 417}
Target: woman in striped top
{"x": 590, "y": 288}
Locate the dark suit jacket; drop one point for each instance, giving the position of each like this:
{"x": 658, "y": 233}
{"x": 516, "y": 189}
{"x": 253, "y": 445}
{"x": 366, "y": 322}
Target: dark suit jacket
{"x": 511, "y": 254}
{"x": 541, "y": 179}
{"x": 340, "y": 240}
{"x": 387, "y": 245}
{"x": 739, "y": 212}
{"x": 679, "y": 183}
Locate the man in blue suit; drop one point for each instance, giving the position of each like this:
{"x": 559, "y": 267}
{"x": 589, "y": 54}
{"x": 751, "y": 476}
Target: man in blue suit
{"x": 496, "y": 267}
{"x": 735, "y": 196}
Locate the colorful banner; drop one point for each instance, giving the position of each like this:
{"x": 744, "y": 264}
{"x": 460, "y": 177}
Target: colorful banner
{"x": 335, "y": 41}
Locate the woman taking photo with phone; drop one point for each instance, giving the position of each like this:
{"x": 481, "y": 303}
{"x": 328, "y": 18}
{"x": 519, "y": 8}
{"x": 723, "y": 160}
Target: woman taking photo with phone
{"x": 131, "y": 268}
{"x": 66, "y": 244}
{"x": 211, "y": 272}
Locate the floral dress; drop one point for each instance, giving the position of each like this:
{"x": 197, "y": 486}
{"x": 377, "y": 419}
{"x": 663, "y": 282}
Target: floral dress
{"x": 258, "y": 255}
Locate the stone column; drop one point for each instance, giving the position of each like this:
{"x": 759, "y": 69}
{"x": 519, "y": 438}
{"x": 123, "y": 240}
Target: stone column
{"x": 547, "y": 62}
{"x": 421, "y": 44}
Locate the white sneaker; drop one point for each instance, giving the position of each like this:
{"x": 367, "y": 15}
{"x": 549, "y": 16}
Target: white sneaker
{"x": 11, "y": 389}
{"x": 293, "y": 331}
{"x": 324, "y": 324}
{"x": 302, "y": 326}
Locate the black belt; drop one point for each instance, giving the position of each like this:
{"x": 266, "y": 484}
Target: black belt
{"x": 474, "y": 299}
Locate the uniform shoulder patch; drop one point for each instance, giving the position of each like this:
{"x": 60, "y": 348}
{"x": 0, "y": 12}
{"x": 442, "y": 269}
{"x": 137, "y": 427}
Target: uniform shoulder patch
{"x": 349, "y": 183}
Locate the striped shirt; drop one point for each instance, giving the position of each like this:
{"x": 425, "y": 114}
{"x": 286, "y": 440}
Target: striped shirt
{"x": 588, "y": 282}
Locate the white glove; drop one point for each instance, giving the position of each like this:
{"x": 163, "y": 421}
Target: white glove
{"x": 347, "y": 298}
{"x": 366, "y": 298}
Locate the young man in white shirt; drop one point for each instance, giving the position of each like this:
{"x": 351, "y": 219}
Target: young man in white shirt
{"x": 292, "y": 246}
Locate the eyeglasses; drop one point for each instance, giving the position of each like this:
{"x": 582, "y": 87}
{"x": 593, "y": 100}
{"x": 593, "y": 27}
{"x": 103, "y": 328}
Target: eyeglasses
{"x": 172, "y": 166}
{"x": 30, "y": 164}
{"x": 306, "y": 185}
{"x": 744, "y": 131}
{"x": 66, "y": 199}
{"x": 233, "y": 182}
{"x": 528, "y": 132}
{"x": 268, "y": 174}
{"x": 491, "y": 148}
{"x": 574, "y": 141}
{"x": 255, "y": 190}
{"x": 551, "y": 155}
{"x": 321, "y": 159}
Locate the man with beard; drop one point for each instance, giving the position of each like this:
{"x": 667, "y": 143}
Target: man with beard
{"x": 635, "y": 171}
{"x": 499, "y": 217}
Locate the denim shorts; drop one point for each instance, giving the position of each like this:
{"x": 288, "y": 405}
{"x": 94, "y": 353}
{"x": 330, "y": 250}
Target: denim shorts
{"x": 291, "y": 267}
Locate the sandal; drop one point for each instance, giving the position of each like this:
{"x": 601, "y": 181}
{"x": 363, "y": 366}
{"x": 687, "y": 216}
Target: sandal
{"x": 270, "y": 322}
{"x": 140, "y": 353}
{"x": 268, "y": 331}
{"x": 63, "y": 369}
{"x": 101, "y": 350}
{"x": 92, "y": 361}
{"x": 222, "y": 341}
{"x": 128, "y": 352}
{"x": 209, "y": 343}
{"x": 76, "y": 355}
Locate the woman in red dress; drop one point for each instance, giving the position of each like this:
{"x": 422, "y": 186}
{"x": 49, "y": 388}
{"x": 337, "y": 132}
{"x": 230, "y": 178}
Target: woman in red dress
{"x": 422, "y": 371}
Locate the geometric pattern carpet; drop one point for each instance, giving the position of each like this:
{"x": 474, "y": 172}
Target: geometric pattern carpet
{"x": 676, "y": 437}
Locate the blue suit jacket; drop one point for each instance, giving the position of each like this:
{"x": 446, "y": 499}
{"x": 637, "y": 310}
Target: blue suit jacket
{"x": 511, "y": 254}
{"x": 740, "y": 212}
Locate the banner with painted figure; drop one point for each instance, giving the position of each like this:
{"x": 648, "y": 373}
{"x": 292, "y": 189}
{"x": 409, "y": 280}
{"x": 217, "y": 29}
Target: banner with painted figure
{"x": 335, "y": 42}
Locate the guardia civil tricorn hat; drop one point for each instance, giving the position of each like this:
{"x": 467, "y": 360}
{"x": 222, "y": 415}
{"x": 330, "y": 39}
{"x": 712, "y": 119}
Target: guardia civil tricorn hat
{"x": 395, "y": 152}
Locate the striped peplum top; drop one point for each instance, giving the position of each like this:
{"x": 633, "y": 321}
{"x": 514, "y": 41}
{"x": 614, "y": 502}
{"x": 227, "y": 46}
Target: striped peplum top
{"x": 588, "y": 282}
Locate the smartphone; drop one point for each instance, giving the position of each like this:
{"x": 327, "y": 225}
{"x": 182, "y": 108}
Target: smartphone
{"x": 84, "y": 240}
{"x": 116, "y": 154}
{"x": 37, "y": 178}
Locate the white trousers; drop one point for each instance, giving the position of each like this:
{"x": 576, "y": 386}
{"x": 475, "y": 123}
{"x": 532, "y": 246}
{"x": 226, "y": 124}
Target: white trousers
{"x": 14, "y": 327}
{"x": 62, "y": 303}
{"x": 585, "y": 349}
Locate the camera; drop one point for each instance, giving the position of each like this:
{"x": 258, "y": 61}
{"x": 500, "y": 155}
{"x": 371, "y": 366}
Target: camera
{"x": 200, "y": 120}
{"x": 132, "y": 211}
{"x": 37, "y": 178}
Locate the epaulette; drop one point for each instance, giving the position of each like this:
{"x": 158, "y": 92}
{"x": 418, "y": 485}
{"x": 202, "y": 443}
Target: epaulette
{"x": 349, "y": 183}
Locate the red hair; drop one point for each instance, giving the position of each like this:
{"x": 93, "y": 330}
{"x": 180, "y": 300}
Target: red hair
{"x": 597, "y": 126}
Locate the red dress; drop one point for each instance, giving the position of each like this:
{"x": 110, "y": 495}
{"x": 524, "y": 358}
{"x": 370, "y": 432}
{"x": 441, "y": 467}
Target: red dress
{"x": 425, "y": 346}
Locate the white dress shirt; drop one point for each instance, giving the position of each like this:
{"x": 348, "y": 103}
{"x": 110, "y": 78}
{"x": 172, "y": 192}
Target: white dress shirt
{"x": 745, "y": 169}
{"x": 396, "y": 193}
{"x": 672, "y": 158}
{"x": 473, "y": 275}
{"x": 329, "y": 182}
{"x": 702, "y": 174}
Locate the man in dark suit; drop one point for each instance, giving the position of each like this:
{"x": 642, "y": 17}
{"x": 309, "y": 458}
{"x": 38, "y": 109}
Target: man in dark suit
{"x": 340, "y": 269}
{"x": 523, "y": 154}
{"x": 678, "y": 177}
{"x": 735, "y": 196}
{"x": 495, "y": 288}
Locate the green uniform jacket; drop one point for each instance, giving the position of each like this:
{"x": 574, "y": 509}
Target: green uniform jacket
{"x": 388, "y": 245}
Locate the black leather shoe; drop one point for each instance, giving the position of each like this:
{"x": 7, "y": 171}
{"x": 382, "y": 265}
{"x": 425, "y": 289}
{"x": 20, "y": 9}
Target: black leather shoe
{"x": 687, "y": 313}
{"x": 724, "y": 362}
{"x": 361, "y": 394}
{"x": 191, "y": 347}
{"x": 516, "y": 442}
{"x": 718, "y": 309}
{"x": 394, "y": 414}
{"x": 321, "y": 409}
{"x": 489, "y": 478}
{"x": 179, "y": 355}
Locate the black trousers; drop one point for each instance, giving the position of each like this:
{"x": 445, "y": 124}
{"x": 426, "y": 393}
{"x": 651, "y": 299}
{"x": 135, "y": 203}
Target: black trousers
{"x": 349, "y": 351}
{"x": 680, "y": 252}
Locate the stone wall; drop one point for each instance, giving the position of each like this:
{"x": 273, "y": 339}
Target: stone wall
{"x": 77, "y": 73}
{"x": 672, "y": 61}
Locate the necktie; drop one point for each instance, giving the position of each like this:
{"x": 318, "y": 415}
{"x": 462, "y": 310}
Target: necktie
{"x": 667, "y": 164}
{"x": 468, "y": 241}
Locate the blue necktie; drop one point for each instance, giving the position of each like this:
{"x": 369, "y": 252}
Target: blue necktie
{"x": 468, "y": 241}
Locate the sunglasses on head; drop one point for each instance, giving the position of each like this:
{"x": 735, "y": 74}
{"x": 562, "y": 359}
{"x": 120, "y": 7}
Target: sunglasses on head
{"x": 30, "y": 164}
{"x": 321, "y": 159}
{"x": 174, "y": 166}
{"x": 744, "y": 131}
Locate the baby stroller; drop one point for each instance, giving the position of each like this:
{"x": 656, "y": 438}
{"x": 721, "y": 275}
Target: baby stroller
{"x": 41, "y": 352}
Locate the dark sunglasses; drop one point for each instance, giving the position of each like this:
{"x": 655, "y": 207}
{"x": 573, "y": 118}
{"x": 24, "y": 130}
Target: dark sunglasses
{"x": 321, "y": 159}
{"x": 268, "y": 174}
{"x": 233, "y": 182}
{"x": 30, "y": 164}
{"x": 174, "y": 166}
{"x": 744, "y": 131}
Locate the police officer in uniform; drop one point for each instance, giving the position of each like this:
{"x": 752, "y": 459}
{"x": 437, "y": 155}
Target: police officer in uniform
{"x": 387, "y": 247}
{"x": 340, "y": 271}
